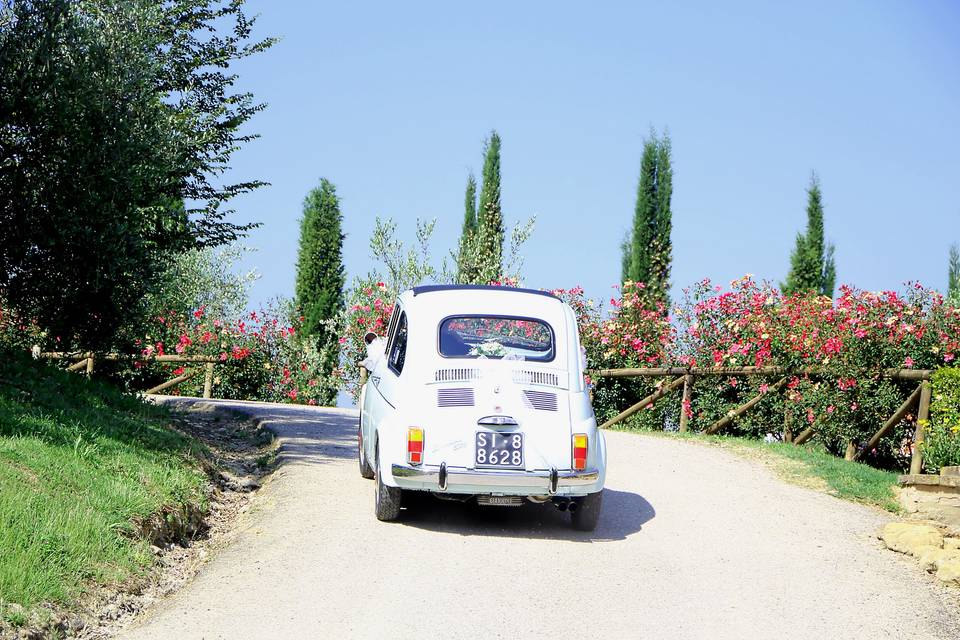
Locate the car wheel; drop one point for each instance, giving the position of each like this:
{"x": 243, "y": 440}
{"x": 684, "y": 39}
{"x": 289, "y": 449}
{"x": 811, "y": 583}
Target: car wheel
{"x": 365, "y": 470}
{"x": 587, "y": 513}
{"x": 387, "y": 497}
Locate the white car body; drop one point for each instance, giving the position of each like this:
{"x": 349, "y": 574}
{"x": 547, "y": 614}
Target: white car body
{"x": 459, "y": 401}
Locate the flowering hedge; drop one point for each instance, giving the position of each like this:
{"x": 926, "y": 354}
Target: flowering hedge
{"x": 262, "y": 357}
{"x": 369, "y": 306}
{"x": 849, "y": 340}
{"x": 630, "y": 336}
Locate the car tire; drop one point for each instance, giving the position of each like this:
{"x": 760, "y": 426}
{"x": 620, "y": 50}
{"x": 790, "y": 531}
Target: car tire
{"x": 365, "y": 470}
{"x": 587, "y": 514}
{"x": 387, "y": 498}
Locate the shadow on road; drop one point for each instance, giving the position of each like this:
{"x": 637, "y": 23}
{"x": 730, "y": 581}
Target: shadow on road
{"x": 624, "y": 513}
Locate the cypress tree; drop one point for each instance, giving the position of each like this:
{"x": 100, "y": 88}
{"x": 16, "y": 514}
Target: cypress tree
{"x": 812, "y": 266}
{"x": 489, "y": 243}
{"x": 626, "y": 254}
{"x": 466, "y": 251}
{"x": 647, "y": 256}
{"x": 470, "y": 207}
{"x": 953, "y": 275}
{"x": 320, "y": 273}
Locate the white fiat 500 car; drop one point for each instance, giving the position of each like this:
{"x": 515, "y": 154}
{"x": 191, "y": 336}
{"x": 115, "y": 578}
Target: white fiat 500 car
{"x": 478, "y": 392}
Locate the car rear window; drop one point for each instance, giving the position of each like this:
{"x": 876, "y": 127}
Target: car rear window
{"x": 501, "y": 337}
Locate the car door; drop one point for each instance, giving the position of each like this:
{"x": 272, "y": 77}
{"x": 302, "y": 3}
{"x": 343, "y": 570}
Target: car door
{"x": 380, "y": 393}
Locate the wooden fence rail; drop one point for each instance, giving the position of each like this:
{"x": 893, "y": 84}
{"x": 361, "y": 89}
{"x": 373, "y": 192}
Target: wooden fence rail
{"x": 686, "y": 377}
{"x": 85, "y": 362}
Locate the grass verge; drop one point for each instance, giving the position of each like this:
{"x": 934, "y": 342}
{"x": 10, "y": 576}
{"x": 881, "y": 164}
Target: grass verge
{"x": 79, "y": 460}
{"x": 807, "y": 466}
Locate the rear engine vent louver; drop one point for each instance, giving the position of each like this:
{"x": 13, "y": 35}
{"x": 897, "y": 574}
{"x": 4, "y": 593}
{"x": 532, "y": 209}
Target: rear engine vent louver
{"x": 536, "y": 377}
{"x": 456, "y": 375}
{"x": 455, "y": 397}
{"x": 540, "y": 400}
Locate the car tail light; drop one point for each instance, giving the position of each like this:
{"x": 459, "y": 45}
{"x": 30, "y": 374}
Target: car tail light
{"x": 579, "y": 451}
{"x": 415, "y": 445}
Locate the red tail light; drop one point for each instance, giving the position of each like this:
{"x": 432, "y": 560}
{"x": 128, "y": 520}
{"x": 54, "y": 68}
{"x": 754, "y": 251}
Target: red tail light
{"x": 415, "y": 445}
{"x": 579, "y": 451}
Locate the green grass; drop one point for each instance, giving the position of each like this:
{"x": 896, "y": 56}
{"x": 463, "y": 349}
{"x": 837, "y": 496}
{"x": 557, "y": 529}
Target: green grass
{"x": 78, "y": 461}
{"x": 809, "y": 466}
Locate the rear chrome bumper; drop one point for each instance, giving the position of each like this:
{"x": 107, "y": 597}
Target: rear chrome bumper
{"x": 460, "y": 479}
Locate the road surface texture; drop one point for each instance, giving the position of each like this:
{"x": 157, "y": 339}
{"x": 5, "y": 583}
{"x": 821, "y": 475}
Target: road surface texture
{"x": 693, "y": 542}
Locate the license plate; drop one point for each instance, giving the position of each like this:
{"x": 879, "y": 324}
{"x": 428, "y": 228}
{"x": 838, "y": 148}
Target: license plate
{"x": 499, "y": 449}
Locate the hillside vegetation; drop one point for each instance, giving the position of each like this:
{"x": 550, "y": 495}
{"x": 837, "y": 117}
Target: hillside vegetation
{"x": 79, "y": 462}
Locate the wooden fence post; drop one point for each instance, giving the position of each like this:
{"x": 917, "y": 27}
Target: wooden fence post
{"x": 172, "y": 382}
{"x": 851, "y": 453}
{"x": 79, "y": 364}
{"x": 90, "y": 366}
{"x": 739, "y": 411}
{"x": 650, "y": 399}
{"x": 892, "y": 421}
{"x": 787, "y": 422}
{"x": 805, "y": 435}
{"x": 916, "y": 461}
{"x": 685, "y": 401}
{"x": 208, "y": 380}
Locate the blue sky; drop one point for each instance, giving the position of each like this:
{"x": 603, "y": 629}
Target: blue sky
{"x": 392, "y": 103}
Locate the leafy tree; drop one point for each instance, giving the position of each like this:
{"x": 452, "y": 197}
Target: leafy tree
{"x": 466, "y": 250}
{"x": 206, "y": 278}
{"x": 112, "y": 116}
{"x": 647, "y": 256}
{"x": 953, "y": 275}
{"x": 490, "y": 232}
{"x": 812, "y": 265}
{"x": 320, "y": 274}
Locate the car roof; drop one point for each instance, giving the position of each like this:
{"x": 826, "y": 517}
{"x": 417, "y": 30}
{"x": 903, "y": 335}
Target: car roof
{"x": 432, "y": 288}
{"x": 435, "y": 302}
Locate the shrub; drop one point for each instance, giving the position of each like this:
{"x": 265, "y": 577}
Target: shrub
{"x": 850, "y": 341}
{"x": 941, "y": 446}
{"x": 631, "y": 336}
{"x": 261, "y": 355}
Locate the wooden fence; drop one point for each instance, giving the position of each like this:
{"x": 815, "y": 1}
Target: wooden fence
{"x": 685, "y": 378}
{"x": 85, "y": 362}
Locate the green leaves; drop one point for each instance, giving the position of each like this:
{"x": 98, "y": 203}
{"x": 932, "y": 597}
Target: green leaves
{"x": 116, "y": 122}
{"x": 953, "y": 276}
{"x": 647, "y": 255}
{"x": 941, "y": 446}
{"x": 812, "y": 265}
{"x": 320, "y": 273}
{"x": 480, "y": 253}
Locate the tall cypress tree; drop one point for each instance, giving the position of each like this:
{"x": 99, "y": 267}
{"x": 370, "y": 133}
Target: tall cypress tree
{"x": 953, "y": 275}
{"x": 812, "y": 266}
{"x": 320, "y": 273}
{"x": 647, "y": 256}
{"x": 489, "y": 243}
{"x": 466, "y": 251}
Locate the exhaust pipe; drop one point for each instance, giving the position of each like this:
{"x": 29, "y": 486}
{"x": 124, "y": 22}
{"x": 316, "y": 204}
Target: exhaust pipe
{"x": 562, "y": 506}
{"x": 573, "y": 506}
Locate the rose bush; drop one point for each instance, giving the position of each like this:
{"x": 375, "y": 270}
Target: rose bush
{"x": 850, "y": 341}
{"x": 629, "y": 336}
{"x": 259, "y": 356}
{"x": 369, "y": 306}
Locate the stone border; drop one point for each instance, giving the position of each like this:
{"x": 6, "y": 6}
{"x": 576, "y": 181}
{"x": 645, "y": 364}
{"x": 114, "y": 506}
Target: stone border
{"x": 936, "y": 497}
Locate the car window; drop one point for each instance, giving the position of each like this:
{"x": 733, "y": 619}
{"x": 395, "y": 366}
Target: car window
{"x": 506, "y": 337}
{"x": 392, "y": 326}
{"x": 398, "y": 349}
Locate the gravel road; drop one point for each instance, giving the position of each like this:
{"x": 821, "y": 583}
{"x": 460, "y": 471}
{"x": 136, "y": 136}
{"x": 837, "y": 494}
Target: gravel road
{"x": 694, "y": 542}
